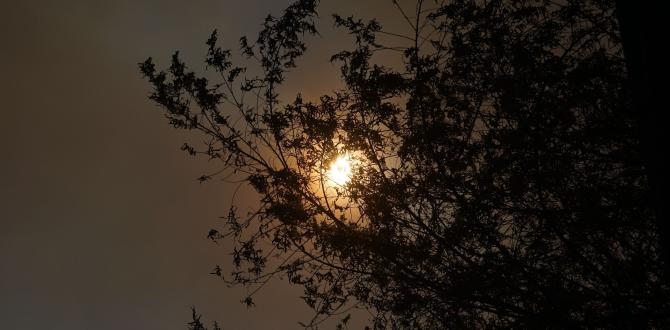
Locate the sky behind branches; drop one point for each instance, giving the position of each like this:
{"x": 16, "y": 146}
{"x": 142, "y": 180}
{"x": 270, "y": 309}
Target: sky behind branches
{"x": 103, "y": 220}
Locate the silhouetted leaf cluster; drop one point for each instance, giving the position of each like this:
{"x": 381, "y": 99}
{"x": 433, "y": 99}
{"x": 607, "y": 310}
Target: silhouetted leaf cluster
{"x": 196, "y": 323}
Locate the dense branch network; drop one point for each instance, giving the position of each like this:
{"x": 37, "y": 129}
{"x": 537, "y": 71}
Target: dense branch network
{"x": 495, "y": 182}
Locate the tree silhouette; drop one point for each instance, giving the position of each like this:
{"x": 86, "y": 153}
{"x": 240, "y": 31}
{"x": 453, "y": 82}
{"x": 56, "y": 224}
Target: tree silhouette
{"x": 495, "y": 181}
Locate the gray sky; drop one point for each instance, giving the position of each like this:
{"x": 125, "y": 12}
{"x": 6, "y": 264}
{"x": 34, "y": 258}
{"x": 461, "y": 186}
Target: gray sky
{"x": 103, "y": 224}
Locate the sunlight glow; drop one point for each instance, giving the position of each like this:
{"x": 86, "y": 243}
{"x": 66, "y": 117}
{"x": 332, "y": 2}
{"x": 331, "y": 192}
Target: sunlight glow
{"x": 340, "y": 170}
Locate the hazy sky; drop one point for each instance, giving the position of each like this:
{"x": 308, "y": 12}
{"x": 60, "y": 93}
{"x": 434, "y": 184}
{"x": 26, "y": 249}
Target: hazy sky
{"x": 103, "y": 224}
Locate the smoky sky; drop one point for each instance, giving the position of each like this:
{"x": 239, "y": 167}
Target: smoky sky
{"x": 103, "y": 222}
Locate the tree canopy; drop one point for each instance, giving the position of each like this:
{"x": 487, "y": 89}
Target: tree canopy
{"x": 495, "y": 180}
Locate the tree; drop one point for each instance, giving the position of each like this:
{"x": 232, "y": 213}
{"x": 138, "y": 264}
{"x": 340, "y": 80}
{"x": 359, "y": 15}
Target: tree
{"x": 495, "y": 175}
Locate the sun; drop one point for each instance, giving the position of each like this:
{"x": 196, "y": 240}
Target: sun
{"x": 340, "y": 170}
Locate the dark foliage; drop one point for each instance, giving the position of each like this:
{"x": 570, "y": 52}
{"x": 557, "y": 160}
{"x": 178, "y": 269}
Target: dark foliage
{"x": 196, "y": 323}
{"x": 496, "y": 176}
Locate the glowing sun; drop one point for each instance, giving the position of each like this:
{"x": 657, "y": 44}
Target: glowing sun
{"x": 340, "y": 170}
